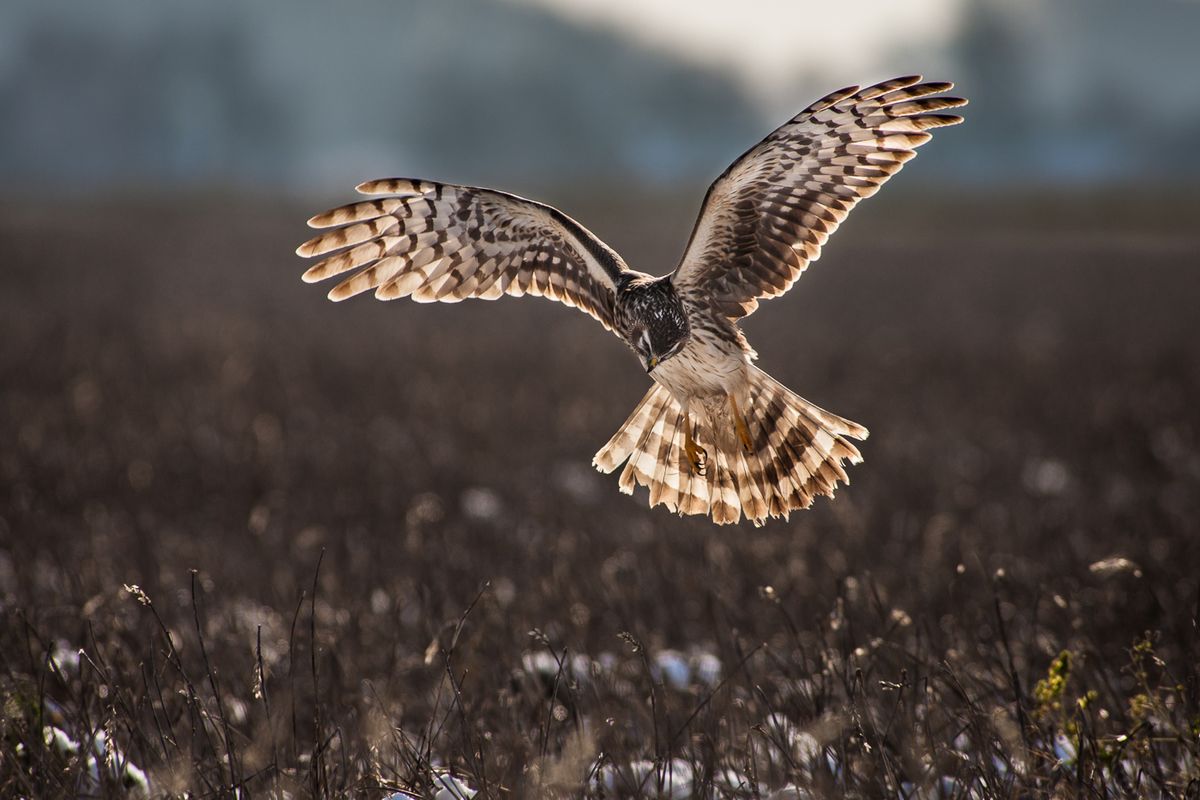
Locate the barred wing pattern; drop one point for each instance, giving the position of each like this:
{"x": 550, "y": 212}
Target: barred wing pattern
{"x": 439, "y": 242}
{"x": 766, "y": 218}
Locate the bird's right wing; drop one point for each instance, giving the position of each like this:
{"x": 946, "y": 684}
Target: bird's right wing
{"x": 766, "y": 218}
{"x": 440, "y": 242}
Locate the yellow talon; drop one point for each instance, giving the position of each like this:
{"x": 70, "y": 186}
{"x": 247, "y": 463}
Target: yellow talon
{"x": 697, "y": 456}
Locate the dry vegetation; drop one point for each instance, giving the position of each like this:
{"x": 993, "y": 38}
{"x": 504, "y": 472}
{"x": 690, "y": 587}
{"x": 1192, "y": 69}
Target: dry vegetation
{"x": 253, "y": 541}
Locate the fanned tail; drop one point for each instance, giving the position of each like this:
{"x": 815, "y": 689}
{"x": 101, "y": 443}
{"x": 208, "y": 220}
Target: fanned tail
{"x": 801, "y": 448}
{"x": 798, "y": 451}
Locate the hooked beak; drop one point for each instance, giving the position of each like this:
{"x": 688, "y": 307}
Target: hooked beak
{"x": 651, "y": 363}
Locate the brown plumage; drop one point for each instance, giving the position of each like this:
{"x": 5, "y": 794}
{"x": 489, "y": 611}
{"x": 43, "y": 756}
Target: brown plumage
{"x": 715, "y": 435}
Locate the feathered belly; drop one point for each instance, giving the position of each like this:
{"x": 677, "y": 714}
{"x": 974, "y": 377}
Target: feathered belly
{"x": 701, "y": 377}
{"x": 703, "y": 370}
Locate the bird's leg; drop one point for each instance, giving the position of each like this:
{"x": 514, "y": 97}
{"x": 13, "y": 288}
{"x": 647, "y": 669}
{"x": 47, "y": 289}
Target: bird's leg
{"x": 739, "y": 424}
{"x": 697, "y": 456}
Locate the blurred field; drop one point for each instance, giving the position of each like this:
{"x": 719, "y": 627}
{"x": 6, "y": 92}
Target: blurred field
{"x": 173, "y": 398}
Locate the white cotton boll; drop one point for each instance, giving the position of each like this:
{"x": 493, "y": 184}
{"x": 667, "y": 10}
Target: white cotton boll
{"x": 58, "y": 739}
{"x": 381, "y": 602}
{"x": 119, "y": 768}
{"x": 776, "y": 740}
{"x": 787, "y": 743}
{"x": 135, "y": 780}
{"x": 580, "y": 669}
{"x": 481, "y": 503}
{"x": 99, "y": 741}
{"x": 544, "y": 664}
{"x": 64, "y": 657}
{"x": 129, "y": 775}
{"x": 451, "y": 788}
{"x": 637, "y": 773}
{"x": 707, "y": 669}
{"x": 540, "y": 663}
{"x": 672, "y": 668}
{"x": 677, "y": 779}
{"x": 731, "y": 779}
{"x": 237, "y": 709}
{"x": 778, "y": 723}
{"x": 805, "y": 746}
{"x": 1064, "y": 748}
{"x": 579, "y": 482}
{"x": 1047, "y": 477}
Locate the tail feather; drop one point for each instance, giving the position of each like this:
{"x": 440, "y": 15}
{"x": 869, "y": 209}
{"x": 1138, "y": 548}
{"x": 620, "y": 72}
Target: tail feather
{"x": 664, "y": 487}
{"x": 650, "y": 463}
{"x": 641, "y": 464}
{"x": 694, "y": 489}
{"x": 726, "y": 504}
{"x": 750, "y": 484}
{"x": 621, "y": 445}
{"x": 797, "y": 454}
{"x": 779, "y": 485}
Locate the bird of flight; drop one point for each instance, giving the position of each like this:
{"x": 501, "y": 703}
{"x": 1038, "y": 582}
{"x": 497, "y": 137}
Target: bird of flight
{"x": 714, "y": 434}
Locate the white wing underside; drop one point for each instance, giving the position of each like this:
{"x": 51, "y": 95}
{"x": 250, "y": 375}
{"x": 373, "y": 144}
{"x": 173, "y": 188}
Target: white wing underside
{"x": 439, "y": 242}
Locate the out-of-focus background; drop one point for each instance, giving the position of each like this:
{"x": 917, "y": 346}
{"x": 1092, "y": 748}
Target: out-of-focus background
{"x": 1002, "y": 603}
{"x": 304, "y": 95}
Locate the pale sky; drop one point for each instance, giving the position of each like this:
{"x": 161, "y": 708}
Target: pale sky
{"x": 778, "y": 48}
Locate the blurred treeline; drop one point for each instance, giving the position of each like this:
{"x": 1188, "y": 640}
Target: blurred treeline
{"x": 298, "y": 94}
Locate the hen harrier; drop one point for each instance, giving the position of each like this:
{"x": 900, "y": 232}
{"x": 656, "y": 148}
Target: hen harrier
{"x": 714, "y": 435}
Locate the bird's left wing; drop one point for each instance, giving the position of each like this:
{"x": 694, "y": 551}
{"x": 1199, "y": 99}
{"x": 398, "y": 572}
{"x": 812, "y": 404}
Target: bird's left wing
{"x": 765, "y": 219}
{"x": 440, "y": 242}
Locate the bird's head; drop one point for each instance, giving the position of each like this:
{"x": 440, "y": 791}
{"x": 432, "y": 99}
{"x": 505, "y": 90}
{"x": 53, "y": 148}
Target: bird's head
{"x": 651, "y": 320}
{"x": 656, "y": 346}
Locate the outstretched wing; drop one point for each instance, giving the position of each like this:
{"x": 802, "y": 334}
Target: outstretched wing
{"x": 765, "y": 219}
{"x": 439, "y": 242}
